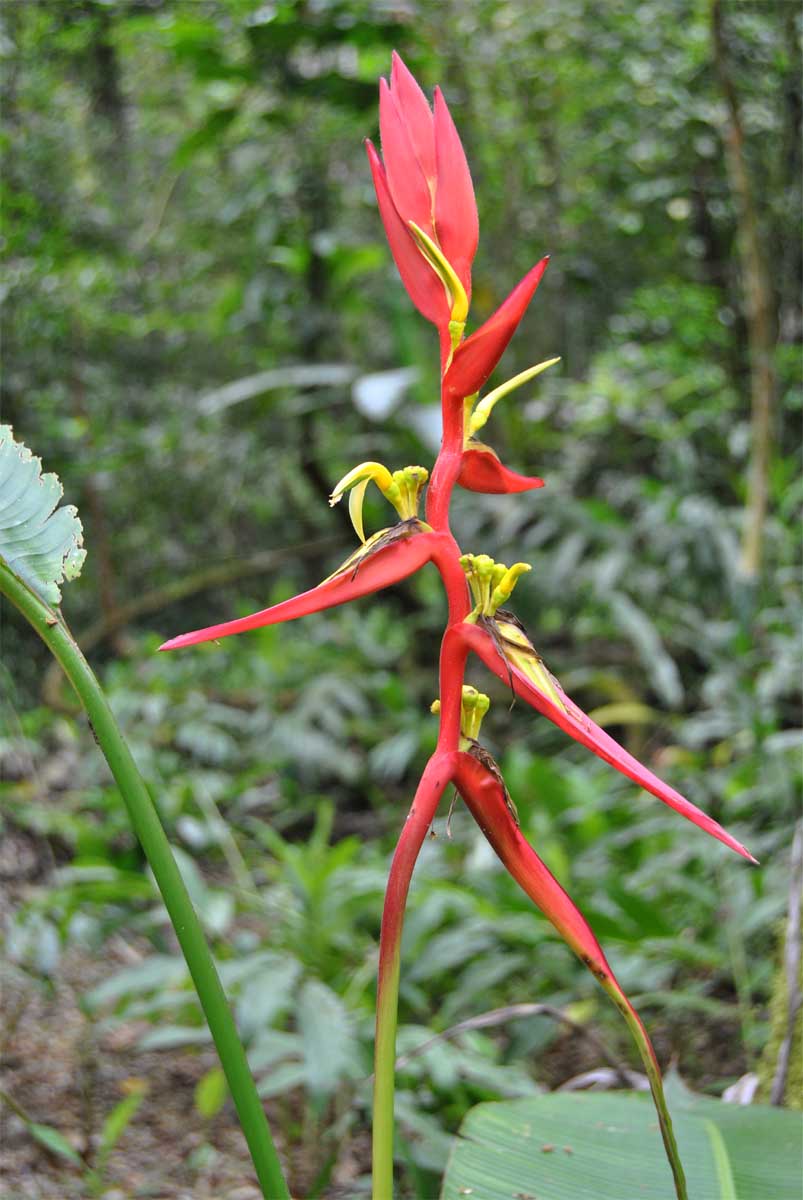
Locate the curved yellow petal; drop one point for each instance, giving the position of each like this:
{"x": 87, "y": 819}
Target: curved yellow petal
{"x": 483, "y": 410}
{"x": 367, "y": 470}
{"x": 355, "y": 506}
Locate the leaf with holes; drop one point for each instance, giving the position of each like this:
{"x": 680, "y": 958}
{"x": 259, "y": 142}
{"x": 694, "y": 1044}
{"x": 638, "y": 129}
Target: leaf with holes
{"x": 39, "y": 542}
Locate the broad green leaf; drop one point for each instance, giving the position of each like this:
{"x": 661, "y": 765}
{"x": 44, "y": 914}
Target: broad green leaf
{"x": 39, "y": 542}
{"x": 743, "y": 1127}
{"x": 607, "y": 1147}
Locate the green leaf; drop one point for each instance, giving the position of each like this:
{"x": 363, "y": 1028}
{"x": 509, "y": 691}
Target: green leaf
{"x": 40, "y": 544}
{"x": 160, "y": 972}
{"x": 327, "y": 1036}
{"x": 211, "y": 1092}
{"x": 608, "y": 1147}
{"x": 210, "y": 132}
{"x": 658, "y": 663}
{"x": 166, "y": 1037}
{"x": 53, "y": 1141}
{"x": 118, "y": 1121}
{"x": 742, "y": 1128}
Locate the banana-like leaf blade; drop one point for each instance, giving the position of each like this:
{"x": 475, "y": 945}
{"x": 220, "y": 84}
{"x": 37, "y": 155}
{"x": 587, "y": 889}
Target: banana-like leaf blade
{"x": 607, "y": 1146}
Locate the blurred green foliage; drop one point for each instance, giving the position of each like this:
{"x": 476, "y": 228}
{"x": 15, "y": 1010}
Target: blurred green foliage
{"x": 202, "y": 326}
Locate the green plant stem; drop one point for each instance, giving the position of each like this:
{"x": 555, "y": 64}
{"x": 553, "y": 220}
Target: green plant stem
{"x": 653, "y": 1071}
{"x": 54, "y": 633}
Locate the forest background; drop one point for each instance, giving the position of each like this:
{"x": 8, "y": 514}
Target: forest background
{"x": 203, "y": 329}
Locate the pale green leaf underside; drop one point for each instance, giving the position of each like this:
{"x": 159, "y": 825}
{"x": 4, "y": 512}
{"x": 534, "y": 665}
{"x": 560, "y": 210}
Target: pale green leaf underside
{"x": 607, "y": 1147}
{"x": 40, "y": 543}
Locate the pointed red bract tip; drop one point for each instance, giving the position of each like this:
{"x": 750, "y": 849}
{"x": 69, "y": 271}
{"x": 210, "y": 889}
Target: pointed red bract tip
{"x": 408, "y": 185}
{"x": 482, "y": 471}
{"x": 418, "y": 115}
{"x": 379, "y": 570}
{"x": 476, "y": 357}
{"x": 456, "y": 220}
{"x": 486, "y": 800}
{"x": 573, "y": 721}
{"x": 488, "y": 804}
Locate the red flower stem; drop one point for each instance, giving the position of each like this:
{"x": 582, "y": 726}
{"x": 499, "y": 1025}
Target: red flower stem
{"x": 436, "y": 777}
{"x": 446, "y": 557}
{"x": 447, "y": 466}
{"x": 447, "y": 560}
{"x": 452, "y": 669}
{"x": 444, "y": 477}
{"x": 434, "y": 780}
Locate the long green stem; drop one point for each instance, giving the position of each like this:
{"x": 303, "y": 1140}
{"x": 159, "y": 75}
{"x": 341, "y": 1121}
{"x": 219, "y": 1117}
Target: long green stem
{"x": 54, "y": 633}
{"x": 644, "y": 1046}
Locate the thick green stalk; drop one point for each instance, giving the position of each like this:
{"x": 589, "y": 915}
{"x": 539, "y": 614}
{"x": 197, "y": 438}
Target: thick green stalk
{"x": 54, "y": 633}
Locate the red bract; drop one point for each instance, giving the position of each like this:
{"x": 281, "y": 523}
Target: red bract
{"x": 486, "y": 801}
{"x": 375, "y": 571}
{"x": 423, "y": 177}
{"x": 482, "y": 471}
{"x": 572, "y": 720}
{"x": 476, "y": 357}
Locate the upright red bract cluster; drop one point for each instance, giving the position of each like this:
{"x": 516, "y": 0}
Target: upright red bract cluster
{"x": 426, "y": 201}
{"x": 424, "y": 180}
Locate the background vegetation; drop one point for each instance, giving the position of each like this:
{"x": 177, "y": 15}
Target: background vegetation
{"x": 203, "y": 330}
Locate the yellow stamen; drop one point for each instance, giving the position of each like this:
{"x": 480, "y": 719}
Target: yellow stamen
{"x": 473, "y": 707}
{"x": 504, "y": 589}
{"x": 355, "y": 506}
{"x": 491, "y": 583}
{"x": 402, "y": 489}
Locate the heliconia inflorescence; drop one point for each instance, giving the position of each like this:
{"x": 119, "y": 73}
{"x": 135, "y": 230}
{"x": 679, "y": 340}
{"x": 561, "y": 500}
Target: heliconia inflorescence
{"x": 426, "y": 201}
